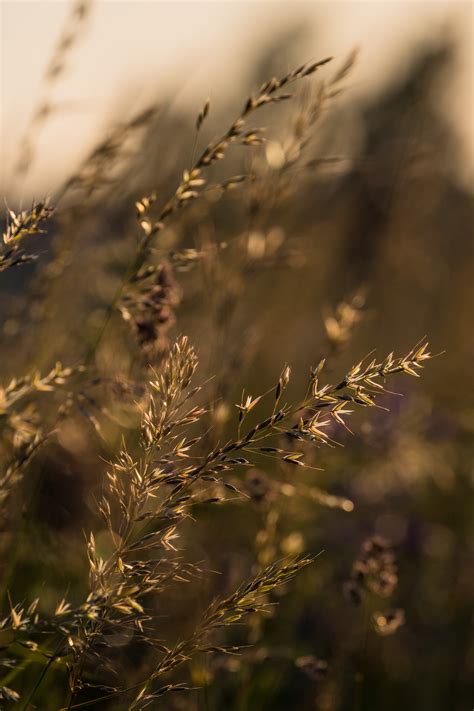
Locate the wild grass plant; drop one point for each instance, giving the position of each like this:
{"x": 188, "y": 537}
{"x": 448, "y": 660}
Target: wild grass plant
{"x": 174, "y": 485}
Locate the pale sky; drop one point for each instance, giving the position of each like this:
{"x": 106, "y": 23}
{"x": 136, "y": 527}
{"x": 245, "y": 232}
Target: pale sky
{"x": 143, "y": 46}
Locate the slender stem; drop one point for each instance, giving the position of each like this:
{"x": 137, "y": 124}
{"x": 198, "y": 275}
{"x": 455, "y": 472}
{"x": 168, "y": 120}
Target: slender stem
{"x": 133, "y": 266}
{"x": 45, "y": 670}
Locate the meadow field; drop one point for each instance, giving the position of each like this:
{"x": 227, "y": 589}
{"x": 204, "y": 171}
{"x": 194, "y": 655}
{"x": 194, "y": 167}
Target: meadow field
{"x": 237, "y": 389}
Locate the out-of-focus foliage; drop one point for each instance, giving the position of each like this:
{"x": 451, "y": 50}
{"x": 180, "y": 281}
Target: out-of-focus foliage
{"x": 344, "y": 231}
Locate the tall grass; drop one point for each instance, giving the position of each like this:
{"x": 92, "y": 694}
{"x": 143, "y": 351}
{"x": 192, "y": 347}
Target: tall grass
{"x": 191, "y": 496}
